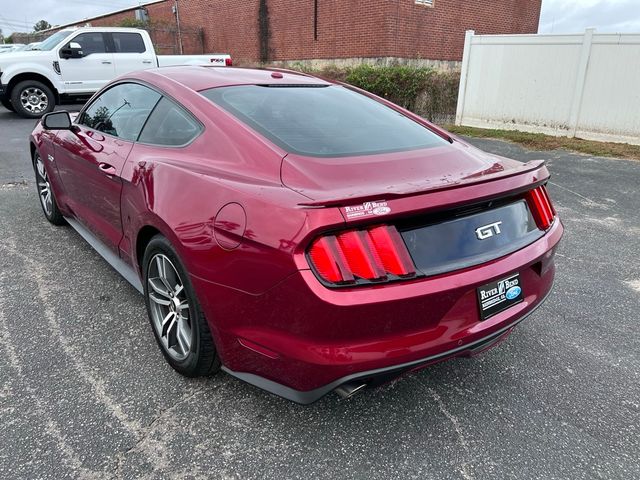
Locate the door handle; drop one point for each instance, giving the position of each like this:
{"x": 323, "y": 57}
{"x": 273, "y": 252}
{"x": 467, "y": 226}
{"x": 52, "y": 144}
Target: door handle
{"x": 107, "y": 169}
{"x": 106, "y": 62}
{"x": 148, "y": 62}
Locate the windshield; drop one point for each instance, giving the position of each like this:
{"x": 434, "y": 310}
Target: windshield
{"x": 53, "y": 40}
{"x": 322, "y": 121}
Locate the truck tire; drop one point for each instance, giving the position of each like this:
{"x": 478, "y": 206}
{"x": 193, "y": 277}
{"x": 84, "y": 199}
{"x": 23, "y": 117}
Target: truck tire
{"x": 6, "y": 103}
{"x": 32, "y": 99}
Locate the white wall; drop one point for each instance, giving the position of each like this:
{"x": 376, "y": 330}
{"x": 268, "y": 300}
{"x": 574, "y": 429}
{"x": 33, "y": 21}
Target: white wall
{"x": 585, "y": 85}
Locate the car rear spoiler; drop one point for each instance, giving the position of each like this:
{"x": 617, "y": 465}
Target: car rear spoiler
{"x": 528, "y": 167}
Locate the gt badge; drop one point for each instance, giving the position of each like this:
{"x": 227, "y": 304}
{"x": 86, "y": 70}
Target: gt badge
{"x": 487, "y": 231}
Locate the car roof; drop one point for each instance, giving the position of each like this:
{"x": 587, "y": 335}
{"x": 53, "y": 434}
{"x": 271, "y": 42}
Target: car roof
{"x": 202, "y": 77}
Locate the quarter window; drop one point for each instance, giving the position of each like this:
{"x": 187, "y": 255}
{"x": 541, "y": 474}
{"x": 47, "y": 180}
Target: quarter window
{"x": 170, "y": 125}
{"x": 92, "y": 42}
{"x": 128, "y": 43}
{"x": 121, "y": 111}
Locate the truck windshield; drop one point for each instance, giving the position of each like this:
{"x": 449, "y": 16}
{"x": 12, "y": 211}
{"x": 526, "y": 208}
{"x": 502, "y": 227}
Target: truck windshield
{"x": 53, "y": 40}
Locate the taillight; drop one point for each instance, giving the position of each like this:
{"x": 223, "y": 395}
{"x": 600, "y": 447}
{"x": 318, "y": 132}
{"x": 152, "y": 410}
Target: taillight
{"x": 392, "y": 251}
{"x": 541, "y": 207}
{"x": 376, "y": 254}
{"x": 228, "y": 62}
{"x": 327, "y": 258}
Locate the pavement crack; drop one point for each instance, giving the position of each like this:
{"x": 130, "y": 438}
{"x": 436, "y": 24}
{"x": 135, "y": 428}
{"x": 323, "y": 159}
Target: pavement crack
{"x": 634, "y": 285}
{"x": 588, "y": 201}
{"x": 144, "y": 436}
{"x": 36, "y": 272}
{"x": 9, "y": 185}
{"x": 51, "y": 428}
{"x": 455, "y": 422}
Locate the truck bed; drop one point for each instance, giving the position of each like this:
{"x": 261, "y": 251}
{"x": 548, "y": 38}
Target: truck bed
{"x": 220, "y": 60}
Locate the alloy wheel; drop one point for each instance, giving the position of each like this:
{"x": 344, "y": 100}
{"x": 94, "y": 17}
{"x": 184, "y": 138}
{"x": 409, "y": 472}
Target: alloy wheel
{"x": 34, "y": 100}
{"x": 44, "y": 188}
{"x": 169, "y": 307}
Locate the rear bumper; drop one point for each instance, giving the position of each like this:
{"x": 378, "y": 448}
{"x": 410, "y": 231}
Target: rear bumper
{"x": 300, "y": 340}
{"x": 380, "y": 375}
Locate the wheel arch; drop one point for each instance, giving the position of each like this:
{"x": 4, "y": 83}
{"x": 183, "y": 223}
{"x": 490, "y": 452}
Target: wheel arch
{"x": 21, "y": 77}
{"x": 144, "y": 236}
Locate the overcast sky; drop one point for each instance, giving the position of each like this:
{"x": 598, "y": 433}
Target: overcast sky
{"x": 558, "y": 16}
{"x": 570, "y": 16}
{"x": 21, "y": 15}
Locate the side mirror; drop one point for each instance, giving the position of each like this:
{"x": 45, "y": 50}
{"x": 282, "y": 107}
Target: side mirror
{"x": 57, "y": 121}
{"x": 72, "y": 50}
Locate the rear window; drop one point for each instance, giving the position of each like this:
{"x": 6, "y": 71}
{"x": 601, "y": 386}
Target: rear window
{"x": 128, "y": 42}
{"x": 322, "y": 121}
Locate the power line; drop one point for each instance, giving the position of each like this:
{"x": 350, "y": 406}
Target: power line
{"x": 7, "y": 21}
{"x": 109, "y": 6}
{"x": 15, "y": 20}
{"x": 15, "y": 24}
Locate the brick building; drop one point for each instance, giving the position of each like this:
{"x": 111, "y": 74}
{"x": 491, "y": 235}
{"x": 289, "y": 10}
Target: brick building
{"x": 343, "y": 30}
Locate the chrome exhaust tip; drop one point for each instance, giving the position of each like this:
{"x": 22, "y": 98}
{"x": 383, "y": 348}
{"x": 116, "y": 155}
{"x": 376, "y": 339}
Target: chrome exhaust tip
{"x": 348, "y": 390}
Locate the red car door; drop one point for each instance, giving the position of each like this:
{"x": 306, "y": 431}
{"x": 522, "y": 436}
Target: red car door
{"x": 89, "y": 164}
{"x": 91, "y": 157}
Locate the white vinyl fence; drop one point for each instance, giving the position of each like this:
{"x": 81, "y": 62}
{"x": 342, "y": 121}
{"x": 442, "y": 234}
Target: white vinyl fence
{"x": 585, "y": 85}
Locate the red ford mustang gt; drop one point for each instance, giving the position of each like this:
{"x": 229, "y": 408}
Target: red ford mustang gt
{"x": 301, "y": 235}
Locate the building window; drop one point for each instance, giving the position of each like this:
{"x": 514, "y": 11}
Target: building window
{"x": 428, "y": 3}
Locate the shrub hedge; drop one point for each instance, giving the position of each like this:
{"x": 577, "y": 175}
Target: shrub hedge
{"x": 428, "y": 92}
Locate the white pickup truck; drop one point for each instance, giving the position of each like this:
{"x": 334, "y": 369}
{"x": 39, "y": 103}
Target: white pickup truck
{"x": 76, "y": 63}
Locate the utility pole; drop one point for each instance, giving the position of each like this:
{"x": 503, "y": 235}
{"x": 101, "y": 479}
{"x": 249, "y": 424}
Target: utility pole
{"x": 176, "y": 11}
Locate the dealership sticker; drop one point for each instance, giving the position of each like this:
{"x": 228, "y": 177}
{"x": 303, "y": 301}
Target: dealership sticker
{"x": 497, "y": 296}
{"x": 367, "y": 209}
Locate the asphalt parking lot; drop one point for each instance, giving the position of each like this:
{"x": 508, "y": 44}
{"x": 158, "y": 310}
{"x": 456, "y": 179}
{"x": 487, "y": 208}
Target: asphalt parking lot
{"x": 86, "y": 393}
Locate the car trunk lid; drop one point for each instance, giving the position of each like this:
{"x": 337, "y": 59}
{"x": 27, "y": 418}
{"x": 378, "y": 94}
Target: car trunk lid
{"x": 344, "y": 181}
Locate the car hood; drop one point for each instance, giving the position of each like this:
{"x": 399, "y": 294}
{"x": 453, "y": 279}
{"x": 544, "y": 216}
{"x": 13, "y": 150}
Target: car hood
{"x": 24, "y": 55}
{"x": 339, "y": 181}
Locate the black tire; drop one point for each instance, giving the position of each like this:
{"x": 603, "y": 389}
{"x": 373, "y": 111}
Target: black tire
{"x": 202, "y": 358}
{"x": 6, "y": 103}
{"x": 43, "y": 97}
{"x": 50, "y": 207}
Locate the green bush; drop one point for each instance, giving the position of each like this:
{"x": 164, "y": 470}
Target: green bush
{"x": 399, "y": 84}
{"x": 134, "y": 23}
{"x": 428, "y": 92}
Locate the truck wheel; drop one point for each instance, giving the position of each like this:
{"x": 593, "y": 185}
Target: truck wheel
{"x": 32, "y": 99}
{"x": 6, "y": 103}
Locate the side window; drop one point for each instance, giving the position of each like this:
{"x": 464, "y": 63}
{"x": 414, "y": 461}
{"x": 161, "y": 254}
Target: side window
{"x": 128, "y": 42}
{"x": 121, "y": 111}
{"x": 92, "y": 42}
{"x": 170, "y": 125}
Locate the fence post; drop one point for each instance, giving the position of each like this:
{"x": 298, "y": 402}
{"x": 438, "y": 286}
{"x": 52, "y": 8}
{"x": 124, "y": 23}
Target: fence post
{"x": 578, "y": 93}
{"x": 462, "y": 89}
